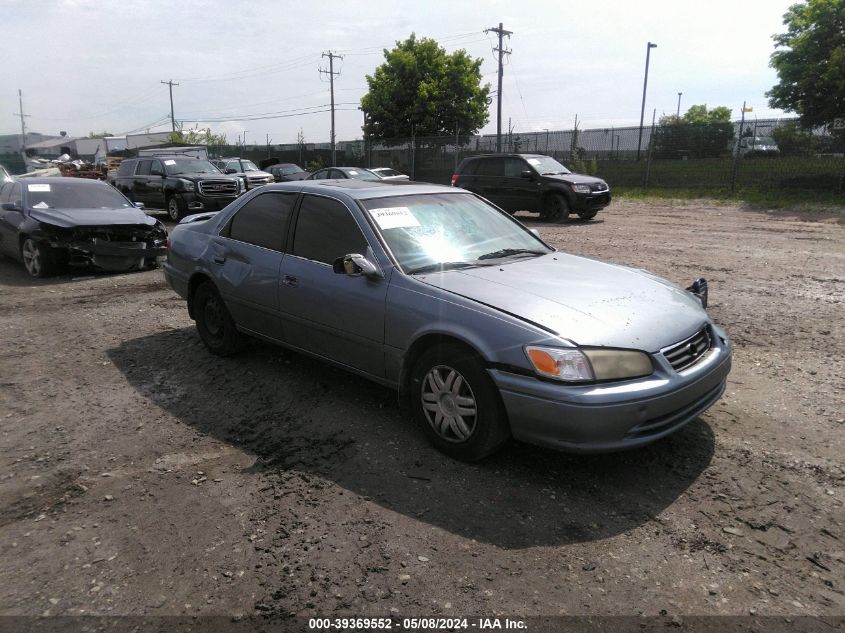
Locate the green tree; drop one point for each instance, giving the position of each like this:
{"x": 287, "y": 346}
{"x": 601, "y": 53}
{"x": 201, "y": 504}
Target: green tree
{"x": 197, "y": 136}
{"x": 421, "y": 90}
{"x": 699, "y": 133}
{"x": 794, "y": 141}
{"x": 810, "y": 62}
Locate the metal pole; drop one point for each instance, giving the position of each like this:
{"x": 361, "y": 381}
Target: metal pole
{"x": 678, "y": 113}
{"x": 645, "y": 85}
{"x": 650, "y": 139}
{"x": 170, "y": 84}
{"x": 736, "y": 149}
{"x": 331, "y": 84}
{"x": 23, "y": 125}
{"x": 499, "y": 96}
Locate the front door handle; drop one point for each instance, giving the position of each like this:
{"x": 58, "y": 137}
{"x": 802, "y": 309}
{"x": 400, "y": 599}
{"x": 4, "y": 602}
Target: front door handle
{"x": 290, "y": 280}
{"x": 219, "y": 259}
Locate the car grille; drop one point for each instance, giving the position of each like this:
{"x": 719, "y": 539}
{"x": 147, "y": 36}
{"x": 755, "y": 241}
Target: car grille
{"x": 689, "y": 351}
{"x": 218, "y": 188}
{"x": 598, "y": 186}
{"x": 255, "y": 181}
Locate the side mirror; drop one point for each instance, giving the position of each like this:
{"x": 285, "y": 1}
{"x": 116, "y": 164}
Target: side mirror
{"x": 526, "y": 173}
{"x": 138, "y": 205}
{"x": 355, "y": 265}
{"x": 11, "y": 206}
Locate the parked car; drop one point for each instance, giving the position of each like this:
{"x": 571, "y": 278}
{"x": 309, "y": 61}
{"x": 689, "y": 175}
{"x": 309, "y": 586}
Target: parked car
{"x": 246, "y": 169}
{"x": 386, "y": 173}
{"x": 532, "y": 182}
{"x": 757, "y": 146}
{"x": 178, "y": 184}
{"x": 333, "y": 173}
{"x": 287, "y": 172}
{"x": 49, "y": 222}
{"x": 487, "y": 331}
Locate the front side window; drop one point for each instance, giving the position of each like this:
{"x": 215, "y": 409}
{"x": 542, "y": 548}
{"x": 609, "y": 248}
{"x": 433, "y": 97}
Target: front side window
{"x": 449, "y": 230}
{"x": 326, "y": 230}
{"x": 514, "y": 167}
{"x": 144, "y": 167}
{"x": 263, "y": 221}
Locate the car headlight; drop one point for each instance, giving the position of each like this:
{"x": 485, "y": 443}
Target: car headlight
{"x": 242, "y": 184}
{"x": 582, "y": 365}
{"x": 580, "y": 188}
{"x": 187, "y": 185}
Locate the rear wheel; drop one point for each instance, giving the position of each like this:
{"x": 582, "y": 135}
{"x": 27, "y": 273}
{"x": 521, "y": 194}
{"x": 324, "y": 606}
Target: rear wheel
{"x": 38, "y": 259}
{"x": 457, "y": 404}
{"x": 555, "y": 208}
{"x": 214, "y": 323}
{"x": 176, "y": 208}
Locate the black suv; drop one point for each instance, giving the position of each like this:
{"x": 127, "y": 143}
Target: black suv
{"x": 532, "y": 182}
{"x": 179, "y": 184}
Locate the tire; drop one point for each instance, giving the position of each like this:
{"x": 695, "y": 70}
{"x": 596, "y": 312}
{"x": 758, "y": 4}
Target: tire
{"x": 555, "y": 208}
{"x": 214, "y": 323}
{"x": 451, "y": 379}
{"x": 38, "y": 259}
{"x": 587, "y": 215}
{"x": 176, "y": 208}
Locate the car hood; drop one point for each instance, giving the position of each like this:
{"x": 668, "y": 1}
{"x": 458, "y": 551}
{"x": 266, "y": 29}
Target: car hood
{"x": 583, "y": 300}
{"x": 69, "y": 218}
{"x": 206, "y": 176}
{"x": 575, "y": 179}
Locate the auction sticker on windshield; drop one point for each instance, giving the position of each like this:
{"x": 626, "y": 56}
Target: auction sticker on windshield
{"x": 170, "y": 162}
{"x": 38, "y": 187}
{"x": 394, "y": 218}
{"x": 533, "y": 161}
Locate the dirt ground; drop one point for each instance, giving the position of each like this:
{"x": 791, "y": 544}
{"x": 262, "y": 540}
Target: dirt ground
{"x": 141, "y": 475}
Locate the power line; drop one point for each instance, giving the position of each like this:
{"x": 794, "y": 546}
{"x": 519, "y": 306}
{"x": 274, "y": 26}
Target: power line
{"x": 256, "y": 116}
{"x": 501, "y": 32}
{"x": 331, "y": 73}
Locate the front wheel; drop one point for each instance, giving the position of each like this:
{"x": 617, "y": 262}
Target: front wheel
{"x": 176, "y": 208}
{"x": 37, "y": 258}
{"x": 457, "y": 404}
{"x": 214, "y": 323}
{"x": 587, "y": 215}
{"x": 555, "y": 208}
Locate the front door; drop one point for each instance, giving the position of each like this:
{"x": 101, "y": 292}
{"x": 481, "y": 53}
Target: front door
{"x": 520, "y": 193}
{"x": 333, "y": 315}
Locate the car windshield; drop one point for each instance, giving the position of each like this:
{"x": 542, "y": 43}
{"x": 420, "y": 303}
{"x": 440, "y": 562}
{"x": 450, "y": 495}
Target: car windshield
{"x": 248, "y": 165}
{"x": 431, "y": 232}
{"x": 546, "y": 165}
{"x": 73, "y": 195}
{"x": 361, "y": 174}
{"x": 290, "y": 169}
{"x": 189, "y": 166}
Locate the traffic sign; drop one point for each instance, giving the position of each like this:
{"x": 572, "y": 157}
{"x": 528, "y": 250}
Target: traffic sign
{"x": 839, "y": 124}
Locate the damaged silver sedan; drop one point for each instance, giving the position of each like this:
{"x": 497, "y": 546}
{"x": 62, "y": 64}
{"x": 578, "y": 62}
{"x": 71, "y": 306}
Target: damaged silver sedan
{"x": 47, "y": 223}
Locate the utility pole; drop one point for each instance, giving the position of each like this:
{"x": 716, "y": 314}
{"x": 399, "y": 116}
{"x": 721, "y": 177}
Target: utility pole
{"x": 678, "y": 113}
{"x": 501, "y": 32}
{"x": 170, "y": 84}
{"x": 331, "y": 73}
{"x": 22, "y": 116}
{"x": 645, "y": 85}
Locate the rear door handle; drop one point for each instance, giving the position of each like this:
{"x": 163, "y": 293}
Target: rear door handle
{"x": 290, "y": 280}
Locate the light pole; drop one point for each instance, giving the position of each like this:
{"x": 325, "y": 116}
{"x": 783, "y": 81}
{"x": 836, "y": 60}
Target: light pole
{"x": 678, "y": 113}
{"x": 645, "y": 85}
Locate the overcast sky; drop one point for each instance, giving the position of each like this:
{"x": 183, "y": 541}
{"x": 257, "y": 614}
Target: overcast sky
{"x": 93, "y": 66}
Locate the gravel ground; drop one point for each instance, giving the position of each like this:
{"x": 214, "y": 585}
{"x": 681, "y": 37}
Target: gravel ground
{"x": 141, "y": 475}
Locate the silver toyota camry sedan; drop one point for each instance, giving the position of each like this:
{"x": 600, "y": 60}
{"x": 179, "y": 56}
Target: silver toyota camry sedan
{"x": 486, "y": 331}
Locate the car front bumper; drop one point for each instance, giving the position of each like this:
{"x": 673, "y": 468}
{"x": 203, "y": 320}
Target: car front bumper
{"x": 197, "y": 203}
{"x": 592, "y": 201}
{"x": 614, "y": 416}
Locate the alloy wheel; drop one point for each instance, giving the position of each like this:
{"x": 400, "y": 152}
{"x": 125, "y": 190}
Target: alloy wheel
{"x": 31, "y": 257}
{"x": 449, "y": 404}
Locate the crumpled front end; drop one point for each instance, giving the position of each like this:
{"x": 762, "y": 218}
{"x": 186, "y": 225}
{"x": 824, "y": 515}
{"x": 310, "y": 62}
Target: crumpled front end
{"x": 117, "y": 248}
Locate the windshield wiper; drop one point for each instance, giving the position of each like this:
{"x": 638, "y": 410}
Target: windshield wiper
{"x": 506, "y": 252}
{"x": 555, "y": 173}
{"x": 439, "y": 266}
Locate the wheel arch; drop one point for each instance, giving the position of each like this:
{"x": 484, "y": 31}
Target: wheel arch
{"x": 197, "y": 279}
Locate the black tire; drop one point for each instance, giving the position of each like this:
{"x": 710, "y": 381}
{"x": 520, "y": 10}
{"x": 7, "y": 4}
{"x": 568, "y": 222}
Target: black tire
{"x": 214, "y": 323}
{"x": 38, "y": 258}
{"x": 177, "y": 208}
{"x": 587, "y": 215}
{"x": 476, "y": 435}
{"x": 555, "y": 208}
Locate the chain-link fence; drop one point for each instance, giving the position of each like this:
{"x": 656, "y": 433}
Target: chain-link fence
{"x": 764, "y": 155}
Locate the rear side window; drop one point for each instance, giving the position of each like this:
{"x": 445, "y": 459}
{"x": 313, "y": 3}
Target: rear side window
{"x": 264, "y": 220}
{"x": 326, "y": 230}
{"x": 143, "y": 168}
{"x": 491, "y": 167}
{"x": 470, "y": 168}
{"x": 126, "y": 167}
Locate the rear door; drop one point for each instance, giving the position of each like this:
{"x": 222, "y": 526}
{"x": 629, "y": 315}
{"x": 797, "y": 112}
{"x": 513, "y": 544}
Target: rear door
{"x": 333, "y": 315}
{"x": 140, "y": 182}
{"x": 490, "y": 175}
{"x": 247, "y": 256}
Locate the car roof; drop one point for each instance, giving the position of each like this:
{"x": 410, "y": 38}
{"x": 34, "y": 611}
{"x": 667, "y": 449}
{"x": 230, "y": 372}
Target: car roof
{"x": 361, "y": 189}
{"x": 48, "y": 180}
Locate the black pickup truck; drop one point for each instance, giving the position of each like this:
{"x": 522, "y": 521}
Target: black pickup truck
{"x": 179, "y": 184}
